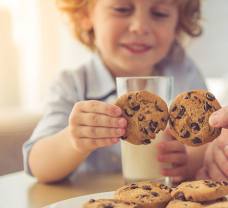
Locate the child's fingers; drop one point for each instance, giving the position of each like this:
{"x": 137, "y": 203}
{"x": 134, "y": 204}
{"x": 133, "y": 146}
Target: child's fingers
{"x": 93, "y": 143}
{"x": 94, "y": 106}
{"x": 94, "y": 119}
{"x": 219, "y": 118}
{"x": 97, "y": 132}
{"x": 177, "y": 179}
{"x": 98, "y": 143}
{"x": 215, "y": 173}
{"x": 221, "y": 160}
{"x": 174, "y": 158}
{"x": 170, "y": 146}
{"x": 177, "y": 171}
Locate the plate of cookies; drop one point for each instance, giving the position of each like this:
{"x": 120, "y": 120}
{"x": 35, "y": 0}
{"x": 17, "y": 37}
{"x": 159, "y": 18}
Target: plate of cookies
{"x": 149, "y": 194}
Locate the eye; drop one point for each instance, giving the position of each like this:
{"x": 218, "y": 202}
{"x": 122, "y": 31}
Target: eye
{"x": 160, "y": 14}
{"x": 122, "y": 10}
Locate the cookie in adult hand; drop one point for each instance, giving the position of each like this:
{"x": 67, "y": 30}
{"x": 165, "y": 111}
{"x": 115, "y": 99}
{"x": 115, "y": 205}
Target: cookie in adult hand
{"x": 110, "y": 203}
{"x": 189, "y": 117}
{"x": 146, "y": 193}
{"x": 146, "y": 114}
{"x": 200, "y": 191}
{"x": 184, "y": 204}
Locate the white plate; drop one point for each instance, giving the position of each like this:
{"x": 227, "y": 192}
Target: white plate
{"x": 79, "y": 201}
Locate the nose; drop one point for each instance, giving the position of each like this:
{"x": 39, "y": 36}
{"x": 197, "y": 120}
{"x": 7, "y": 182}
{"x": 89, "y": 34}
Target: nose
{"x": 139, "y": 24}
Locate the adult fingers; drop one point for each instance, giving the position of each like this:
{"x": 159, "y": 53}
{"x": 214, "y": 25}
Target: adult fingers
{"x": 219, "y": 118}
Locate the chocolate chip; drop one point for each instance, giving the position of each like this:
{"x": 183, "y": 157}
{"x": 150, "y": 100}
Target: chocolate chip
{"x": 92, "y": 200}
{"x": 146, "y": 187}
{"x": 201, "y": 120}
{"x": 123, "y": 137}
{"x": 129, "y": 97}
{"x": 185, "y": 133}
{"x": 141, "y": 117}
{"x": 154, "y": 194}
{"x": 129, "y": 114}
{"x": 158, "y": 108}
{"x": 153, "y": 125}
{"x": 146, "y": 141}
{"x": 133, "y": 186}
{"x": 188, "y": 96}
{"x": 197, "y": 140}
{"x": 181, "y": 112}
{"x": 207, "y": 106}
{"x": 174, "y": 108}
{"x": 144, "y": 130}
{"x": 210, "y": 97}
{"x": 108, "y": 206}
{"x": 195, "y": 127}
{"x": 180, "y": 196}
{"x": 143, "y": 195}
{"x": 136, "y": 107}
{"x": 171, "y": 121}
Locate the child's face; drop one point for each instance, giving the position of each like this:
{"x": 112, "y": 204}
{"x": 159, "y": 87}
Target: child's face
{"x": 134, "y": 35}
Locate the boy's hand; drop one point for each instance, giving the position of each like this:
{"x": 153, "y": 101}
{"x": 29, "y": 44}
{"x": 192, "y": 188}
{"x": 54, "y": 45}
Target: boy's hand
{"x": 94, "y": 124}
{"x": 173, "y": 152}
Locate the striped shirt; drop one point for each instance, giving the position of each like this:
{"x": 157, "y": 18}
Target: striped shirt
{"x": 93, "y": 81}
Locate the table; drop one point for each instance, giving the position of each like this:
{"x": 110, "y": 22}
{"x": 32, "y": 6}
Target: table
{"x": 18, "y": 190}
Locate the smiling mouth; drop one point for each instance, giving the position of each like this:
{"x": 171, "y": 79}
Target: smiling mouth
{"x": 137, "y": 48}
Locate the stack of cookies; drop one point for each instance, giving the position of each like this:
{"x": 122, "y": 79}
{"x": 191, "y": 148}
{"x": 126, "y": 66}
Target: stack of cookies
{"x": 188, "y": 115}
{"x": 148, "y": 194}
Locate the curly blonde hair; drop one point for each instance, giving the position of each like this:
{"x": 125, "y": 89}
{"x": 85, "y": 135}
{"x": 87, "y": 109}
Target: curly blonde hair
{"x": 76, "y": 10}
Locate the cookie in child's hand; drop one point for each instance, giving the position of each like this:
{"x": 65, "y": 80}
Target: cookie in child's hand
{"x": 147, "y": 193}
{"x": 184, "y": 204}
{"x": 189, "y": 117}
{"x": 200, "y": 191}
{"x": 110, "y": 203}
{"x": 146, "y": 114}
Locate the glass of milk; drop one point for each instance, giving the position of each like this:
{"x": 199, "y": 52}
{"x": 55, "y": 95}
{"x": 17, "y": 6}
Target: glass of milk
{"x": 139, "y": 161}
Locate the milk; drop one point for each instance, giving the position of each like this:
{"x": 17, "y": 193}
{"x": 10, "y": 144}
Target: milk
{"x": 139, "y": 162}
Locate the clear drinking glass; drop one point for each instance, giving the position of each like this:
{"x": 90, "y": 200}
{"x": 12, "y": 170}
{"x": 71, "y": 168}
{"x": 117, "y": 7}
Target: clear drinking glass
{"x": 139, "y": 161}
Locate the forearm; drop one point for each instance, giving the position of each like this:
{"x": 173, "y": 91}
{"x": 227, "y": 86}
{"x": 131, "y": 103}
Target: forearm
{"x": 195, "y": 159}
{"x": 53, "y": 158}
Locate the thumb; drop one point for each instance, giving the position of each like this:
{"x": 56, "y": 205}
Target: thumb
{"x": 219, "y": 118}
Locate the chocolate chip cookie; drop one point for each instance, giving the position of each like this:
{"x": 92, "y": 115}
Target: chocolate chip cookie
{"x": 189, "y": 116}
{"x": 184, "y": 204}
{"x": 218, "y": 205}
{"x": 200, "y": 191}
{"x": 146, "y": 114}
{"x": 110, "y": 203}
{"x": 147, "y": 193}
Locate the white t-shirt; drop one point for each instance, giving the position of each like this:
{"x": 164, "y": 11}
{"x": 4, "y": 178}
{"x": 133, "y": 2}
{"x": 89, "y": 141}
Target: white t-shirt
{"x": 93, "y": 81}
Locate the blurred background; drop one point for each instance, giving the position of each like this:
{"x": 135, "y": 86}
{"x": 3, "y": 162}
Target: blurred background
{"x": 36, "y": 43}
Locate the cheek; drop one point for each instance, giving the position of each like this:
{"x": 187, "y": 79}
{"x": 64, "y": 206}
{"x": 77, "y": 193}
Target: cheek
{"x": 108, "y": 34}
{"x": 166, "y": 38}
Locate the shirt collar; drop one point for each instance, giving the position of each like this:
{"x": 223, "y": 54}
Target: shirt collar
{"x": 100, "y": 82}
